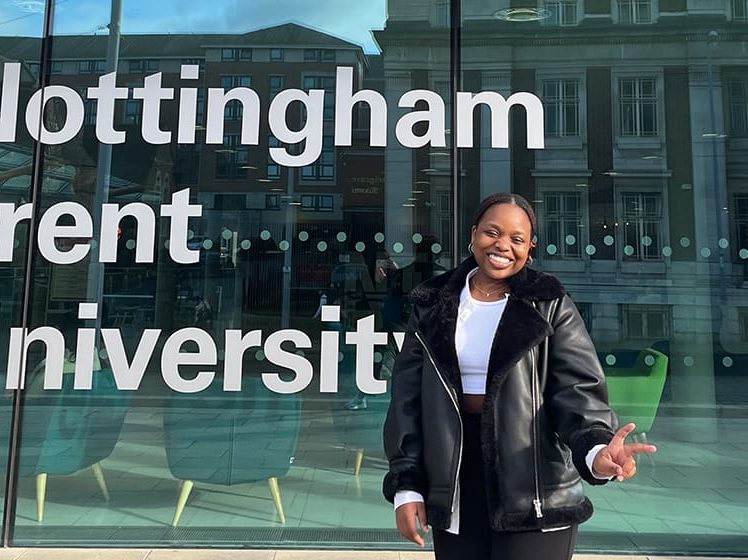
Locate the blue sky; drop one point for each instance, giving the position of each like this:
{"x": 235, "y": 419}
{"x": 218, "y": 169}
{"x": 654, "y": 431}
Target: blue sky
{"x": 346, "y": 19}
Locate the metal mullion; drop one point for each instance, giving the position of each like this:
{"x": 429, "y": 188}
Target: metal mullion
{"x": 37, "y": 176}
{"x": 455, "y": 63}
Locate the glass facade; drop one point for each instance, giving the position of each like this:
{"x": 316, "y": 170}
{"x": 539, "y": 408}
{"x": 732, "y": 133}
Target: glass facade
{"x": 210, "y": 219}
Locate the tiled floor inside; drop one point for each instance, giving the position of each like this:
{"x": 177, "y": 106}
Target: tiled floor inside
{"x": 690, "y": 491}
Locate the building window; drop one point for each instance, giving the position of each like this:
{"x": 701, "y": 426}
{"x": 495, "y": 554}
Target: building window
{"x": 740, "y": 220}
{"x": 585, "y": 310}
{"x": 319, "y": 55}
{"x": 561, "y": 100}
{"x": 326, "y": 83}
{"x": 561, "y": 12}
{"x": 276, "y": 85}
{"x": 645, "y": 322}
{"x": 562, "y": 224}
{"x": 245, "y": 54}
{"x": 638, "y": 106}
{"x": 272, "y": 202}
{"x": 273, "y": 169}
{"x": 642, "y": 226}
{"x": 231, "y": 158}
{"x": 56, "y": 67}
{"x": 91, "y": 66}
{"x": 738, "y": 92}
{"x": 317, "y": 202}
{"x": 133, "y": 111}
{"x": 233, "y": 110}
{"x": 635, "y": 11}
{"x": 276, "y": 54}
{"x": 324, "y": 168}
{"x": 229, "y": 54}
{"x": 740, "y": 10}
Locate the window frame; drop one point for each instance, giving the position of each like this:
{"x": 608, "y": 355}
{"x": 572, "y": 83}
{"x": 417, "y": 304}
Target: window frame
{"x": 663, "y": 223}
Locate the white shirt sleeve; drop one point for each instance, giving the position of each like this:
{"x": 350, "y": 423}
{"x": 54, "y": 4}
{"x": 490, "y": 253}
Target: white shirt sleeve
{"x": 590, "y": 459}
{"x": 406, "y": 497}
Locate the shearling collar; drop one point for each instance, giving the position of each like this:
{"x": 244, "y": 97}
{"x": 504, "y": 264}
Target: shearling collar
{"x": 521, "y": 326}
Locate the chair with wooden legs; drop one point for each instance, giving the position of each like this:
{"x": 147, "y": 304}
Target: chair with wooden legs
{"x": 68, "y": 431}
{"x": 231, "y": 438}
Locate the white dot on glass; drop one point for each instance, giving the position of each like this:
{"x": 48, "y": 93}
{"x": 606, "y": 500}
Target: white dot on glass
{"x": 551, "y": 249}
{"x": 688, "y": 360}
{"x": 436, "y": 248}
{"x": 667, "y": 251}
{"x": 303, "y": 236}
{"x": 570, "y": 240}
{"x": 706, "y": 252}
{"x": 341, "y": 236}
{"x": 259, "y": 355}
{"x": 379, "y": 237}
{"x": 264, "y": 235}
{"x": 377, "y": 357}
{"x": 227, "y": 234}
{"x": 610, "y": 359}
{"x": 398, "y": 247}
{"x": 360, "y": 246}
{"x": 284, "y": 245}
{"x": 207, "y": 244}
{"x": 608, "y": 240}
{"x": 166, "y": 244}
{"x": 724, "y": 243}
{"x": 190, "y": 234}
{"x": 628, "y": 250}
{"x": 245, "y": 244}
{"x": 685, "y": 242}
{"x": 727, "y": 361}
{"x": 130, "y": 244}
{"x": 322, "y": 246}
{"x": 649, "y": 360}
{"x": 590, "y": 250}
{"x": 103, "y": 354}
{"x": 417, "y": 238}
{"x": 743, "y": 253}
{"x": 647, "y": 241}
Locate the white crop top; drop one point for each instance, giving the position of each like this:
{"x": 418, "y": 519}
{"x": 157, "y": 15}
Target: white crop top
{"x": 477, "y": 322}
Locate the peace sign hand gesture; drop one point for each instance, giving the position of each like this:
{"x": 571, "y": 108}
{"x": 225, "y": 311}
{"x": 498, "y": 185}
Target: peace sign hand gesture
{"x": 617, "y": 458}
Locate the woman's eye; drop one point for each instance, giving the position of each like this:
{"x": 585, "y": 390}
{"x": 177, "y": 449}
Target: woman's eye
{"x": 518, "y": 240}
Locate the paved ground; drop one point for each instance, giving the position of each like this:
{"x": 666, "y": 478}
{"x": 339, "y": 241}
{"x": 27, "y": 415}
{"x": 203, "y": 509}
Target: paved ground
{"x": 164, "y": 554}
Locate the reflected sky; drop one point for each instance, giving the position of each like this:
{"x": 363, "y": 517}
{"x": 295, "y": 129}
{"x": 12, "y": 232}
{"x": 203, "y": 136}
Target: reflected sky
{"x": 352, "y": 21}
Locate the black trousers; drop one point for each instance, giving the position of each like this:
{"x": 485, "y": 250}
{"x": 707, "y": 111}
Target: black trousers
{"x": 477, "y": 541}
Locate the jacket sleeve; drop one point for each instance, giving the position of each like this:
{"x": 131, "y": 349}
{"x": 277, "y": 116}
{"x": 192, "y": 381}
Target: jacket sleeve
{"x": 576, "y": 393}
{"x": 402, "y": 427}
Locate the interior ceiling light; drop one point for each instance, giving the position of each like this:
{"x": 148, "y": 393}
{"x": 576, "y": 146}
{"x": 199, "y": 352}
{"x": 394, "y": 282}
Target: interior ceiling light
{"x": 519, "y": 15}
{"x": 30, "y": 6}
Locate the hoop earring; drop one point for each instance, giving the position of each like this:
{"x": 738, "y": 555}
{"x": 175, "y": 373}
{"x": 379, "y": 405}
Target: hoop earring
{"x": 470, "y": 247}
{"x": 529, "y": 261}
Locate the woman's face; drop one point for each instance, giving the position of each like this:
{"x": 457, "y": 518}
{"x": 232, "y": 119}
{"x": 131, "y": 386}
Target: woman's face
{"x": 502, "y": 241}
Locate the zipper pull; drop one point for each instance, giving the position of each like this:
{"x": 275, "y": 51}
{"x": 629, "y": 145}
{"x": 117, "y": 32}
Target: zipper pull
{"x": 538, "y": 509}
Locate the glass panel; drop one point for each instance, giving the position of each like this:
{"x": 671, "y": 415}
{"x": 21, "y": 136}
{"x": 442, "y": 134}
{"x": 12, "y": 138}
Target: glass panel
{"x": 21, "y": 29}
{"x": 661, "y": 270}
{"x": 224, "y": 405}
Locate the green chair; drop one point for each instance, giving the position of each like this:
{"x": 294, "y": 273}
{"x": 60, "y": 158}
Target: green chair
{"x": 634, "y": 393}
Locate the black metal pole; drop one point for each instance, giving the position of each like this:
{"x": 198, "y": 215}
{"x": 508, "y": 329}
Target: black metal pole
{"x": 37, "y": 176}
{"x": 455, "y": 47}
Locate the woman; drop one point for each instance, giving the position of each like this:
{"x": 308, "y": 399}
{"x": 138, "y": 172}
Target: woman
{"x": 499, "y": 405}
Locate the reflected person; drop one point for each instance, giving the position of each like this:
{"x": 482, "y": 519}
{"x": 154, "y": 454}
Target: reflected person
{"x": 499, "y": 406}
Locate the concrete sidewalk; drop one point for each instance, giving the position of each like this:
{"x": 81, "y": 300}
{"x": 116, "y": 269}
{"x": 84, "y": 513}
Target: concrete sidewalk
{"x": 222, "y": 554}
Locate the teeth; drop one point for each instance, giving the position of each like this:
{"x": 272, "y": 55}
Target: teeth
{"x": 499, "y": 259}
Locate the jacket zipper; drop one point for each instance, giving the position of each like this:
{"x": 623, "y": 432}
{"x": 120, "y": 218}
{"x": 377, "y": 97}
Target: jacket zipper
{"x": 536, "y": 502}
{"x": 453, "y": 398}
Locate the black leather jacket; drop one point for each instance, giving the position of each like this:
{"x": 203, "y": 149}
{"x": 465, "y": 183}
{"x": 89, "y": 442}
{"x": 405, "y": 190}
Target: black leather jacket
{"x": 545, "y": 406}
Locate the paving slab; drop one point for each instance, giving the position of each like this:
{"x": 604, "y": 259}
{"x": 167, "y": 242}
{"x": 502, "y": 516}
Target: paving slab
{"x": 209, "y": 554}
{"x": 80, "y": 554}
{"x": 336, "y": 555}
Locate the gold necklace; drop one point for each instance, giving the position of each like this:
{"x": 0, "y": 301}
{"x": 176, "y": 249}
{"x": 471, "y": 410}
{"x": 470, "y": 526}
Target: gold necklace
{"x": 484, "y": 292}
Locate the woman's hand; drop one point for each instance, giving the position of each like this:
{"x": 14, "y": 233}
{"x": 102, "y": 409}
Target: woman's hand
{"x": 406, "y": 516}
{"x": 617, "y": 458}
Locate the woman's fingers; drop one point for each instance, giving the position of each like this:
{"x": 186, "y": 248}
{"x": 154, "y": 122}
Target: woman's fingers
{"x": 421, "y": 514}
{"x": 406, "y": 517}
{"x": 604, "y": 465}
{"x": 634, "y": 448}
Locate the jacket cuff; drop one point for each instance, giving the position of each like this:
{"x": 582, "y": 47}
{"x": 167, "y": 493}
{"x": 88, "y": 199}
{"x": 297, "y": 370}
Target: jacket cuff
{"x": 409, "y": 479}
{"x": 582, "y": 445}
